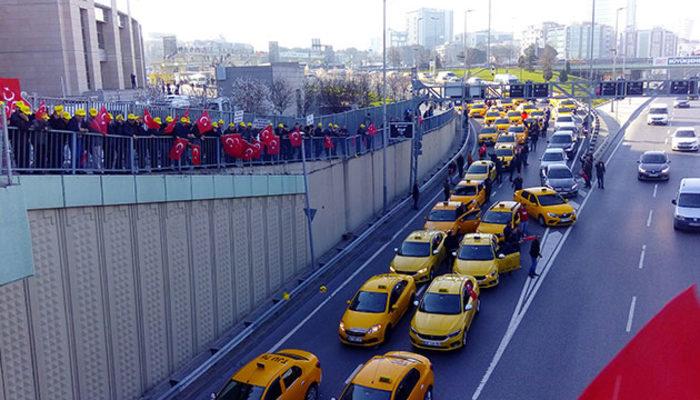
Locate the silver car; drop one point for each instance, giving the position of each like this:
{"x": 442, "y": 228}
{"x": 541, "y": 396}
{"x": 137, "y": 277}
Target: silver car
{"x": 560, "y": 178}
{"x": 552, "y": 156}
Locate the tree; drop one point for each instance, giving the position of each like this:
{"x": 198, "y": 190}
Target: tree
{"x": 503, "y": 54}
{"x": 564, "y": 75}
{"x": 251, "y": 95}
{"x": 399, "y": 85}
{"x": 281, "y": 95}
{"x": 394, "y": 56}
{"x": 530, "y": 57}
{"x": 307, "y": 97}
{"x": 547, "y": 60}
{"x": 521, "y": 62}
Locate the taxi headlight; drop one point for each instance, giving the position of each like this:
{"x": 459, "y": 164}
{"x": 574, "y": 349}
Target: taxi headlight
{"x": 575, "y": 186}
{"x": 392, "y": 269}
{"x": 414, "y": 331}
{"x": 422, "y": 271}
{"x": 665, "y": 170}
{"x": 493, "y": 273}
{"x": 552, "y": 215}
{"x": 342, "y": 326}
{"x": 453, "y": 334}
{"x": 374, "y": 329}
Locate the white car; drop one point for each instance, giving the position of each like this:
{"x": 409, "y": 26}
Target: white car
{"x": 684, "y": 139}
{"x": 658, "y": 114}
{"x": 564, "y": 121}
{"x": 553, "y": 156}
{"x": 686, "y": 214}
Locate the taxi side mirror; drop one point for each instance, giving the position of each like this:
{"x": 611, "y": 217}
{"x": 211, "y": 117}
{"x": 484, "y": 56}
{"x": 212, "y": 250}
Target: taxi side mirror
{"x": 454, "y": 254}
{"x": 436, "y": 252}
{"x": 415, "y": 303}
{"x": 348, "y": 302}
{"x": 468, "y": 307}
{"x": 674, "y": 202}
{"x": 501, "y": 256}
{"x": 394, "y": 307}
{"x": 396, "y": 250}
{"x": 639, "y": 162}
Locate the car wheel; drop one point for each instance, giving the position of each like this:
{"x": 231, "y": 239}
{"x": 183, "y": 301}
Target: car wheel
{"x": 428, "y": 394}
{"x": 312, "y": 393}
{"x": 540, "y": 219}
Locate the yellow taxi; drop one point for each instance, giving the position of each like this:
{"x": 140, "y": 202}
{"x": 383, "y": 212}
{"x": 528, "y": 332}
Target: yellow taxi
{"x": 505, "y": 153}
{"x": 501, "y": 218}
{"x": 488, "y": 135}
{"x": 520, "y": 133}
{"x": 376, "y": 309}
{"x": 420, "y": 255}
{"x": 477, "y": 111}
{"x": 491, "y": 116}
{"x": 286, "y": 375}
{"x": 467, "y": 191}
{"x": 395, "y": 375}
{"x": 480, "y": 171}
{"x": 506, "y": 138}
{"x": 568, "y": 103}
{"x": 507, "y": 104}
{"x": 515, "y": 117}
{"x": 538, "y": 114}
{"x": 528, "y": 107}
{"x": 546, "y": 205}
{"x": 518, "y": 101}
{"x": 561, "y": 111}
{"x": 445, "y": 313}
{"x": 453, "y": 216}
{"x": 480, "y": 256}
{"x": 502, "y": 124}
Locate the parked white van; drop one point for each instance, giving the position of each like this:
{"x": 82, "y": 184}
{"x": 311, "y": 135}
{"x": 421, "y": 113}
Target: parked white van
{"x": 687, "y": 205}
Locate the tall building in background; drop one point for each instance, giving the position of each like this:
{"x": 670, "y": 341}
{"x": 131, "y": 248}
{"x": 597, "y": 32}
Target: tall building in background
{"x": 578, "y": 41}
{"x": 686, "y": 29}
{"x": 273, "y": 51}
{"x": 656, "y": 42}
{"x": 605, "y": 12}
{"x": 75, "y": 46}
{"x": 169, "y": 46}
{"x": 430, "y": 27}
{"x": 631, "y": 15}
{"x": 398, "y": 38}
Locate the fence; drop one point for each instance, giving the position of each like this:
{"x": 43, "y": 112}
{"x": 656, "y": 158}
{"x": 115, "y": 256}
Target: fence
{"x": 66, "y": 152}
{"x": 5, "y": 164}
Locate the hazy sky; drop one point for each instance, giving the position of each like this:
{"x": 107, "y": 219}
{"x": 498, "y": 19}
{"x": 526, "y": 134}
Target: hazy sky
{"x": 354, "y": 23}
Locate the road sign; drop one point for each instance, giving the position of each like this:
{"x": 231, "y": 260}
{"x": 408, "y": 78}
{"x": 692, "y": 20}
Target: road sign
{"x": 693, "y": 60}
{"x": 540, "y": 90}
{"x": 310, "y": 119}
{"x": 680, "y": 87}
{"x": 635, "y": 88}
{"x": 260, "y": 123}
{"x": 238, "y": 116}
{"x": 310, "y": 212}
{"x": 517, "y": 91}
{"x": 608, "y": 89}
{"x": 401, "y": 129}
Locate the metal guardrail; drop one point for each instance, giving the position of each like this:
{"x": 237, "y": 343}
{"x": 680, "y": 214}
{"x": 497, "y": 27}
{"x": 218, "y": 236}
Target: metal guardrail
{"x": 67, "y": 152}
{"x": 5, "y": 163}
{"x": 303, "y": 285}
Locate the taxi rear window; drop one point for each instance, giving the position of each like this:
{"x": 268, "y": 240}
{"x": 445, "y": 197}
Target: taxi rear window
{"x": 442, "y": 215}
{"x": 465, "y": 190}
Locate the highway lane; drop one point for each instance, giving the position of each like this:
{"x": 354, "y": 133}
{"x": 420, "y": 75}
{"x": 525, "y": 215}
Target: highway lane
{"x": 596, "y": 296}
{"x": 313, "y": 326}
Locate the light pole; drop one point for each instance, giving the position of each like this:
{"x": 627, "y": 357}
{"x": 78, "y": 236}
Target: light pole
{"x": 590, "y": 67}
{"x": 385, "y": 130}
{"x": 488, "y": 40}
{"x": 466, "y": 65}
{"x": 615, "y": 46}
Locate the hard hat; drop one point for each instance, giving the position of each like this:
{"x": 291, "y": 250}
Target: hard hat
{"x": 362, "y": 126}
{"x": 120, "y": 117}
{"x": 110, "y": 116}
{"x": 93, "y": 112}
{"x": 335, "y": 126}
{"x": 183, "y": 120}
{"x": 231, "y": 125}
{"x": 215, "y": 124}
{"x": 242, "y": 124}
{"x": 66, "y": 115}
{"x": 320, "y": 125}
{"x": 80, "y": 112}
{"x": 45, "y": 116}
{"x": 58, "y": 108}
{"x": 168, "y": 119}
{"x": 250, "y": 124}
{"x": 280, "y": 125}
{"x": 157, "y": 120}
{"x": 330, "y": 124}
{"x": 131, "y": 117}
{"x": 221, "y": 122}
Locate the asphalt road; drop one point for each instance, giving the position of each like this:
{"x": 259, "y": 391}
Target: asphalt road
{"x": 534, "y": 339}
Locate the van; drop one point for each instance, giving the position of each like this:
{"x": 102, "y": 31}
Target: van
{"x": 505, "y": 79}
{"x": 687, "y": 205}
{"x": 658, "y": 114}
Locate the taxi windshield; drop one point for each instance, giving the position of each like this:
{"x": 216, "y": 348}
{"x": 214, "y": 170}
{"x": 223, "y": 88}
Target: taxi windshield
{"x": 560, "y": 139}
{"x": 442, "y": 215}
{"x": 359, "y": 392}
{"x": 493, "y": 114}
{"x": 506, "y": 138}
{"x": 440, "y": 303}
{"x": 504, "y": 152}
{"x": 516, "y": 129}
{"x": 235, "y": 390}
{"x": 685, "y": 134}
{"x": 477, "y": 169}
{"x": 496, "y": 217}
{"x": 475, "y": 253}
{"x": 465, "y": 190}
{"x": 371, "y": 302}
{"x": 415, "y": 249}
{"x": 502, "y": 121}
{"x": 513, "y": 114}
{"x": 550, "y": 200}
{"x": 488, "y": 130}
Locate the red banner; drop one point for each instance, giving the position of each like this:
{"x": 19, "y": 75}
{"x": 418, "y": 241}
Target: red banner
{"x": 371, "y": 129}
{"x": 196, "y": 154}
{"x": 272, "y": 147}
{"x": 295, "y": 138}
{"x": 41, "y": 111}
{"x": 178, "y": 148}
{"x": 204, "y": 123}
{"x": 266, "y": 134}
{"x": 10, "y": 93}
{"x": 234, "y": 145}
{"x": 101, "y": 122}
{"x": 327, "y": 143}
{"x": 148, "y": 120}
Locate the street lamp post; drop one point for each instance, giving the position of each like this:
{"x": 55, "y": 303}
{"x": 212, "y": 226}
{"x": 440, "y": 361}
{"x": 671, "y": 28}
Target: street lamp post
{"x": 488, "y": 39}
{"x": 385, "y": 130}
{"x": 466, "y": 63}
{"x": 615, "y": 46}
{"x": 590, "y": 67}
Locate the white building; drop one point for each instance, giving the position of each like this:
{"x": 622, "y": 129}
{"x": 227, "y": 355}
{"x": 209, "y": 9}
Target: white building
{"x": 539, "y": 35}
{"x": 577, "y": 41}
{"x": 429, "y": 27}
{"x": 656, "y": 42}
{"x": 397, "y": 38}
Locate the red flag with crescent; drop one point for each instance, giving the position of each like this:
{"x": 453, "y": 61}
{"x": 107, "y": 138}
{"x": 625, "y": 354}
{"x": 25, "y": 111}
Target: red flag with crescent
{"x": 101, "y": 121}
{"x": 204, "y": 123}
{"x": 41, "y": 111}
{"x": 10, "y": 93}
{"x": 272, "y": 147}
{"x": 371, "y": 129}
{"x": 148, "y": 120}
{"x": 327, "y": 143}
{"x": 178, "y": 148}
{"x": 234, "y": 145}
{"x": 266, "y": 134}
{"x": 295, "y": 138}
{"x": 196, "y": 154}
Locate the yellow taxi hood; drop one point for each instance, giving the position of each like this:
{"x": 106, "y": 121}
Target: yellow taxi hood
{"x": 437, "y": 324}
{"x": 560, "y": 208}
{"x": 409, "y": 264}
{"x": 490, "y": 228}
{"x": 361, "y": 320}
{"x": 438, "y": 225}
{"x": 476, "y": 177}
{"x": 473, "y": 267}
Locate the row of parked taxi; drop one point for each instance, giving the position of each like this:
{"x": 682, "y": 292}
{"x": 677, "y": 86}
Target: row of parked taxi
{"x": 445, "y": 312}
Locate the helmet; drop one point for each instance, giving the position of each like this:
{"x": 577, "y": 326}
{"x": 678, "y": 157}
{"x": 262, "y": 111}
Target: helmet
{"x": 168, "y": 119}
{"x": 215, "y": 124}
{"x": 320, "y": 125}
{"x": 250, "y": 124}
{"x": 58, "y": 109}
{"x": 242, "y": 124}
{"x": 336, "y": 126}
{"x": 362, "y": 126}
{"x": 280, "y": 125}
{"x": 80, "y": 112}
{"x": 93, "y": 112}
{"x": 330, "y": 124}
{"x": 131, "y": 117}
{"x": 120, "y": 117}
{"x": 45, "y": 116}
{"x": 110, "y": 116}
{"x": 184, "y": 120}
{"x": 66, "y": 115}
{"x": 157, "y": 120}
{"x": 231, "y": 125}
{"x": 221, "y": 122}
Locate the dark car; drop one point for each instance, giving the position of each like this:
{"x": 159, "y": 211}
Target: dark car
{"x": 653, "y": 165}
{"x": 560, "y": 178}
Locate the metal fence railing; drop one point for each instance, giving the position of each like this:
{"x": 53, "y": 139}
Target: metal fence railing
{"x": 66, "y": 152}
{"x": 5, "y": 163}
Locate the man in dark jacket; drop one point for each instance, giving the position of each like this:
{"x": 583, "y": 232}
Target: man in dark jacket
{"x": 415, "y": 193}
{"x": 446, "y": 191}
{"x": 600, "y": 174}
{"x": 460, "y": 166}
{"x": 534, "y": 256}
{"x": 517, "y": 183}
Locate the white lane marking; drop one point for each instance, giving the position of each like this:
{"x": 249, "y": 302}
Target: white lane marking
{"x": 351, "y": 277}
{"x": 651, "y": 214}
{"x": 574, "y": 204}
{"x": 656, "y": 188}
{"x": 641, "y": 256}
{"x": 616, "y": 388}
{"x": 516, "y": 318}
{"x": 666, "y": 141}
{"x": 349, "y": 378}
{"x": 494, "y": 192}
{"x": 501, "y": 184}
{"x": 630, "y": 316}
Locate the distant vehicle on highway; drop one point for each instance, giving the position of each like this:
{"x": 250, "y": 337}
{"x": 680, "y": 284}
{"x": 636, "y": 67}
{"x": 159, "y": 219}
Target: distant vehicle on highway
{"x": 681, "y": 102}
{"x": 553, "y": 156}
{"x": 658, "y": 114}
{"x": 686, "y": 214}
{"x": 505, "y": 79}
{"x": 684, "y": 139}
{"x": 653, "y": 165}
{"x": 446, "y": 76}
{"x": 562, "y": 140}
{"x": 560, "y": 178}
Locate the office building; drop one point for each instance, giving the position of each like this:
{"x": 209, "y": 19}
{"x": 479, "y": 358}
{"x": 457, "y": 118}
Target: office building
{"x": 169, "y": 46}
{"x": 429, "y": 27}
{"x": 656, "y": 42}
{"x": 631, "y": 15}
{"x": 69, "y": 47}
{"x": 578, "y": 42}
{"x": 606, "y": 11}
{"x": 398, "y": 38}
{"x": 538, "y": 35}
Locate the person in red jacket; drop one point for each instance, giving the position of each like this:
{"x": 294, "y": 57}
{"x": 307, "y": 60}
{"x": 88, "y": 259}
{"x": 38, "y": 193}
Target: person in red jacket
{"x": 482, "y": 151}
{"x": 523, "y": 220}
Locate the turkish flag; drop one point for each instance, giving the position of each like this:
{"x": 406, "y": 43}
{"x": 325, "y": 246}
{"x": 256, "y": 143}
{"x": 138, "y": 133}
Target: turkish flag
{"x": 266, "y": 134}
{"x": 196, "y": 154}
{"x": 272, "y": 147}
{"x": 101, "y": 121}
{"x": 178, "y": 148}
{"x": 234, "y": 145}
{"x": 39, "y": 114}
{"x": 295, "y": 138}
{"x": 257, "y": 147}
{"x": 204, "y": 123}
{"x": 148, "y": 120}
{"x": 327, "y": 143}
{"x": 10, "y": 93}
{"x": 371, "y": 129}
{"x": 471, "y": 291}
{"x": 170, "y": 127}
{"x": 661, "y": 362}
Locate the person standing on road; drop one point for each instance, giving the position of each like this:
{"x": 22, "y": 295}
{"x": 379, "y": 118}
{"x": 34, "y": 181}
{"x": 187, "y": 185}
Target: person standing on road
{"x": 587, "y": 166}
{"x": 534, "y": 256}
{"x": 446, "y": 189}
{"x": 523, "y": 217}
{"x": 482, "y": 151}
{"x": 515, "y": 164}
{"x": 499, "y": 169}
{"x": 517, "y": 183}
{"x": 415, "y": 193}
{"x": 600, "y": 174}
{"x": 524, "y": 152}
{"x": 470, "y": 160}
{"x": 533, "y": 138}
{"x": 451, "y": 245}
{"x": 460, "y": 165}
{"x": 487, "y": 186}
